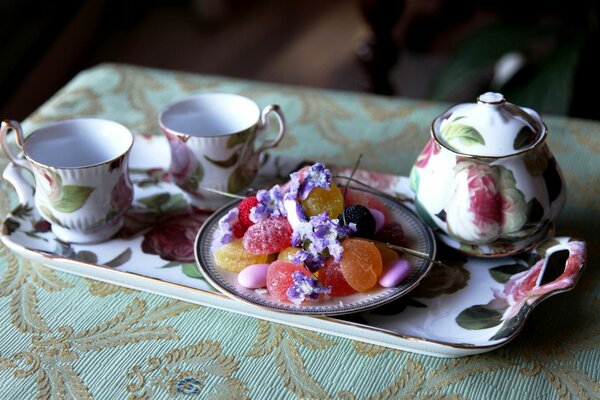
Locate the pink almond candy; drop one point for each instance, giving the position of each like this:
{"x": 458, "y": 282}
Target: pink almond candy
{"x": 395, "y": 273}
{"x": 253, "y": 276}
{"x": 378, "y": 217}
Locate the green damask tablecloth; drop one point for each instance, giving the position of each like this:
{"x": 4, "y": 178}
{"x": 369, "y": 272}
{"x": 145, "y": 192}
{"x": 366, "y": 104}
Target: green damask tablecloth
{"x": 66, "y": 337}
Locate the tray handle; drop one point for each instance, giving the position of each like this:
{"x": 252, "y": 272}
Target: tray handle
{"x": 526, "y": 288}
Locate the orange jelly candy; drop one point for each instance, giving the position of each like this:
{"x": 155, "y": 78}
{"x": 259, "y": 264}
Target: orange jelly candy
{"x": 361, "y": 263}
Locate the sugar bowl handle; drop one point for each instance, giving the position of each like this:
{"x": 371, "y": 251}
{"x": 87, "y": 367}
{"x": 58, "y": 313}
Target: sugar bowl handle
{"x": 14, "y": 170}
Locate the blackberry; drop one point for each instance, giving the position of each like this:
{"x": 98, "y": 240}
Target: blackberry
{"x": 362, "y": 217}
{"x": 391, "y": 233}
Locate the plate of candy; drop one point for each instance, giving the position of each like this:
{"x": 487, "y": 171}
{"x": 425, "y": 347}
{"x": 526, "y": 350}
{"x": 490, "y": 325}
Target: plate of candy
{"x": 282, "y": 249}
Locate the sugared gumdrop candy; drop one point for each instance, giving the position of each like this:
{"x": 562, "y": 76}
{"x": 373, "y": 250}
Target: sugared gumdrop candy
{"x": 321, "y": 200}
{"x": 391, "y": 233}
{"x": 234, "y": 257}
{"x": 331, "y": 275}
{"x": 268, "y": 236}
{"x": 361, "y": 264}
{"x": 288, "y": 253}
{"x": 279, "y": 278}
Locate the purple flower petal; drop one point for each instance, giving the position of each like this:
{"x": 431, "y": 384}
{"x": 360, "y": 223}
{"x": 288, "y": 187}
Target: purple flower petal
{"x": 305, "y": 287}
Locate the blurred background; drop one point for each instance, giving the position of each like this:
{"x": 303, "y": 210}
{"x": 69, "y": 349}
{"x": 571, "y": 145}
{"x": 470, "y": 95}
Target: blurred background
{"x": 541, "y": 54}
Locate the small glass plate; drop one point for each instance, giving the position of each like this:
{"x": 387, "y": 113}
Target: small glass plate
{"x": 418, "y": 237}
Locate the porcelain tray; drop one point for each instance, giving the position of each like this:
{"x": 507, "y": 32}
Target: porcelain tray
{"x": 469, "y": 307}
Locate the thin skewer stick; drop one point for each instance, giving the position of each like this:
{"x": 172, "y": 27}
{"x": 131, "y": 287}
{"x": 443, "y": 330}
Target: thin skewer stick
{"x": 415, "y": 253}
{"x": 384, "y": 194}
{"x": 233, "y": 196}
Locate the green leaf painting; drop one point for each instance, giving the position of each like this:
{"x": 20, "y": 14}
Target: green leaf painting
{"x": 502, "y": 273}
{"x": 239, "y": 138}
{"x": 553, "y": 180}
{"x": 230, "y": 162}
{"x": 237, "y": 181}
{"x": 47, "y": 214}
{"x": 73, "y": 198}
{"x": 191, "y": 271}
{"x": 525, "y": 137}
{"x": 197, "y": 176}
{"x": 479, "y": 317}
{"x": 164, "y": 202}
{"x": 414, "y": 179}
{"x": 10, "y": 226}
{"x": 120, "y": 259}
{"x": 87, "y": 256}
{"x": 466, "y": 134}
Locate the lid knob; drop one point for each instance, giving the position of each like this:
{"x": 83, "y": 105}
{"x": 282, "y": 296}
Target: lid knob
{"x": 491, "y": 98}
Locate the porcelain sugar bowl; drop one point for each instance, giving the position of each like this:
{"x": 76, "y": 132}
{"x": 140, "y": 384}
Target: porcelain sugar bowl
{"x": 486, "y": 181}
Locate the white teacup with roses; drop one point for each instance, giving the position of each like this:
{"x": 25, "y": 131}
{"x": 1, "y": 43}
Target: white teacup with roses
{"x": 212, "y": 140}
{"x": 80, "y": 166}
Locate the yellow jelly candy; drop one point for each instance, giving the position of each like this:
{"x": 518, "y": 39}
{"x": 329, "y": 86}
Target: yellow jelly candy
{"x": 287, "y": 254}
{"x": 234, "y": 257}
{"x": 319, "y": 200}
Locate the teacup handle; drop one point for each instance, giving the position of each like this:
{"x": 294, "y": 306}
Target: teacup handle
{"x": 14, "y": 170}
{"x": 276, "y": 110}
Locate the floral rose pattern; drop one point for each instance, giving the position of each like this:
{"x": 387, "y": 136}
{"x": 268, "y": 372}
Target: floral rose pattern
{"x": 430, "y": 150}
{"x": 485, "y": 203}
{"x": 173, "y": 240}
{"x": 51, "y": 184}
{"x": 183, "y": 161}
{"x": 522, "y": 289}
{"x": 121, "y": 195}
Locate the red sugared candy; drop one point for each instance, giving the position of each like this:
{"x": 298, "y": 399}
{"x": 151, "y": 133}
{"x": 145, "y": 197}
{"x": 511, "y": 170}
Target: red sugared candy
{"x": 279, "y": 278}
{"x": 244, "y": 211}
{"x": 391, "y": 233}
{"x": 331, "y": 275}
{"x": 268, "y": 236}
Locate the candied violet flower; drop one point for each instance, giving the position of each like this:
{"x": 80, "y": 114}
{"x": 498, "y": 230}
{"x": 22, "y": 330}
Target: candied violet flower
{"x": 224, "y": 232}
{"x": 316, "y": 176}
{"x": 319, "y": 238}
{"x": 310, "y": 261}
{"x": 270, "y": 204}
{"x": 305, "y": 287}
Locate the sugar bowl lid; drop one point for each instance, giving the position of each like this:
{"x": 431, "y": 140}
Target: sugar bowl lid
{"x": 492, "y": 127}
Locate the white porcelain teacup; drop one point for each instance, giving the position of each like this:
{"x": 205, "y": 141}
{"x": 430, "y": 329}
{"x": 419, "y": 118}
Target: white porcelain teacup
{"x": 80, "y": 166}
{"x": 211, "y": 137}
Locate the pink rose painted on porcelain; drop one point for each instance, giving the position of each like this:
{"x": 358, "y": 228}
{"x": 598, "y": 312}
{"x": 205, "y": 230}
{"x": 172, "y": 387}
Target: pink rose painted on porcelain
{"x": 183, "y": 161}
{"x": 173, "y": 240}
{"x": 122, "y": 194}
{"x": 485, "y": 203}
{"x": 430, "y": 150}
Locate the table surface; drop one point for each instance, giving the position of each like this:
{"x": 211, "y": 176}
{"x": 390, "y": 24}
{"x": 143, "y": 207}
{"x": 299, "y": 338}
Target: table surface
{"x": 66, "y": 337}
